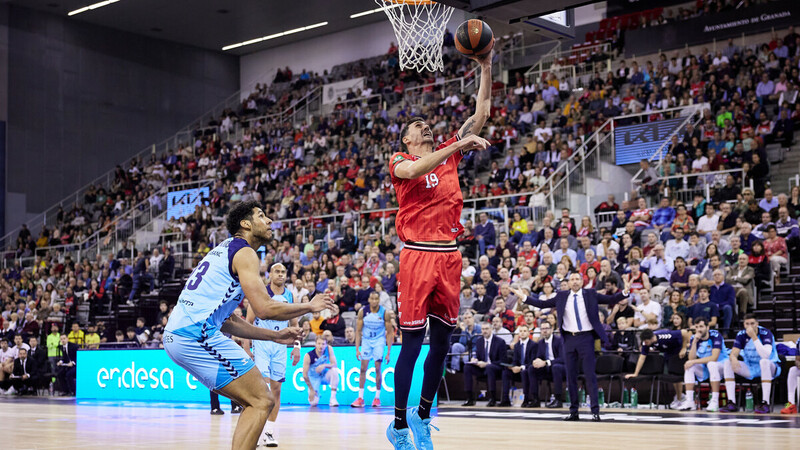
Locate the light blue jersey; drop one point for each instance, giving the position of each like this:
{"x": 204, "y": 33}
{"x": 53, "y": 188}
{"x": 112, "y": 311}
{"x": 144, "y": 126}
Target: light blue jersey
{"x": 374, "y": 325}
{"x": 705, "y": 347}
{"x": 749, "y": 353}
{"x": 210, "y": 295}
{"x": 373, "y": 334}
{"x": 192, "y": 337}
{"x": 270, "y": 357}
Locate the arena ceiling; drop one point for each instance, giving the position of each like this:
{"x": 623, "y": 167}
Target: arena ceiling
{"x": 213, "y": 24}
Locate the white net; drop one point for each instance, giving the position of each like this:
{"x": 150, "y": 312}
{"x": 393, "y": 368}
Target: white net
{"x": 419, "y": 26}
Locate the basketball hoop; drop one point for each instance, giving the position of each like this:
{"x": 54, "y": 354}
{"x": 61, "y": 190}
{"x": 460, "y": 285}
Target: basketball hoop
{"x": 419, "y": 26}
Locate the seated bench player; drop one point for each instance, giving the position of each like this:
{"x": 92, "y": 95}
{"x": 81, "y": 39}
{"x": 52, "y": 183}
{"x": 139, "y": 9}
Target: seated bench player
{"x": 756, "y": 344}
{"x": 673, "y": 343}
{"x": 707, "y": 356}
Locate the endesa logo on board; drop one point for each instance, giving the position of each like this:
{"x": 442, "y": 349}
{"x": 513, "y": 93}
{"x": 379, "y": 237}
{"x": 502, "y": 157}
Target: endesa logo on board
{"x": 135, "y": 375}
{"x": 149, "y": 375}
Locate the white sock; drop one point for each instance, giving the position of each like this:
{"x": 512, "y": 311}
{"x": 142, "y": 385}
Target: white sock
{"x": 361, "y": 393}
{"x": 715, "y": 397}
{"x": 333, "y": 394}
{"x": 730, "y": 388}
{"x": 690, "y": 395}
{"x": 270, "y": 427}
{"x": 377, "y": 392}
{"x": 792, "y": 382}
{"x": 766, "y": 388}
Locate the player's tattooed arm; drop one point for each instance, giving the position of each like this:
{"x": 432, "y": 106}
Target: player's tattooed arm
{"x": 466, "y": 129}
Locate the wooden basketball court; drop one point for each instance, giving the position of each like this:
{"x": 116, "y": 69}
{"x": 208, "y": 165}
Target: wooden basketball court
{"x": 64, "y": 424}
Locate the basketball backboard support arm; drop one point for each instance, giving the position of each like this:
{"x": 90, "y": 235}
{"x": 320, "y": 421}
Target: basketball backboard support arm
{"x": 527, "y": 11}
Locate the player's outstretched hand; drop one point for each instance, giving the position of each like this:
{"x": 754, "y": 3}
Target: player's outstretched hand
{"x": 321, "y": 302}
{"x": 288, "y": 335}
{"x": 484, "y": 59}
{"x": 473, "y": 142}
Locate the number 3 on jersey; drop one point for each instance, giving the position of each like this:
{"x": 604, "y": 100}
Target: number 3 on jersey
{"x": 432, "y": 180}
{"x": 198, "y": 276}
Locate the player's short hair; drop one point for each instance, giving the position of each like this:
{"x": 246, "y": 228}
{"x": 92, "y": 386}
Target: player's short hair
{"x": 701, "y": 319}
{"x": 405, "y": 129}
{"x": 647, "y": 335}
{"x": 750, "y": 316}
{"x": 240, "y": 212}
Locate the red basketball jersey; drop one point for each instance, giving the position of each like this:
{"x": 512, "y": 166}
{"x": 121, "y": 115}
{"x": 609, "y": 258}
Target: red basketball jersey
{"x": 430, "y": 206}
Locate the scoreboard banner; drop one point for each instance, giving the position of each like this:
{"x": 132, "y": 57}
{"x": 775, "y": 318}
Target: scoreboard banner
{"x": 150, "y": 375}
{"x": 636, "y": 142}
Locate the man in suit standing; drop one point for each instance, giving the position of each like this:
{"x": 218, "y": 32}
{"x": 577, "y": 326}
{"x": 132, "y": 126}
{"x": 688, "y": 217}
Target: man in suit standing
{"x": 39, "y": 355}
{"x": 524, "y": 351}
{"x": 548, "y": 365}
{"x": 579, "y": 322}
{"x": 490, "y": 351}
{"x": 65, "y": 367}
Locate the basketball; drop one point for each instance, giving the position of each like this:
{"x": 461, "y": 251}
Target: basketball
{"x": 474, "y": 37}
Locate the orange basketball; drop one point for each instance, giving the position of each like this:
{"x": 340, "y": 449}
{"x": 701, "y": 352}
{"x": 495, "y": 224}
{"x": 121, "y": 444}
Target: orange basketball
{"x": 474, "y": 37}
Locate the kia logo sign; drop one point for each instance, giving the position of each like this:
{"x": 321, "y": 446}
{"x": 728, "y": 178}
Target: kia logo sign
{"x": 636, "y": 142}
{"x": 182, "y": 203}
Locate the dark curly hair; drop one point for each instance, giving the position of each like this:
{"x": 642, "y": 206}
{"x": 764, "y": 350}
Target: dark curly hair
{"x": 240, "y": 212}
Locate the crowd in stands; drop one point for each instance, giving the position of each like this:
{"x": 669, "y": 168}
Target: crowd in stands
{"x": 685, "y": 262}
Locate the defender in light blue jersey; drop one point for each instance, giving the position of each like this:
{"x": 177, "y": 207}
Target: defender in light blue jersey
{"x": 759, "y": 359}
{"x": 194, "y": 338}
{"x": 707, "y": 356}
{"x": 374, "y": 332}
{"x": 319, "y": 368}
{"x": 270, "y": 357}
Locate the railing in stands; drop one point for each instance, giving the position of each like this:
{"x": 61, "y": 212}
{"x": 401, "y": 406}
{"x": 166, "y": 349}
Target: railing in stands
{"x": 685, "y": 186}
{"x": 689, "y": 112}
{"x": 109, "y": 238}
{"x": 560, "y": 62}
{"x": 416, "y": 95}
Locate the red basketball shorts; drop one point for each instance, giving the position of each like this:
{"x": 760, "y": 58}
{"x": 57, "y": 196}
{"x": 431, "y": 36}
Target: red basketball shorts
{"x": 428, "y": 285}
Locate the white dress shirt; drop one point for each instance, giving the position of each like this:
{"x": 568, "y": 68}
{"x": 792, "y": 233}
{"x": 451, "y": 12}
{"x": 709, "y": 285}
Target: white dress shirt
{"x": 550, "y": 355}
{"x": 524, "y": 345}
{"x": 569, "y": 323}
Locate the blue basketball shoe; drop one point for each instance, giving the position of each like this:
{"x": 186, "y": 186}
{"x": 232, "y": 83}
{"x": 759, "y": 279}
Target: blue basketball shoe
{"x": 400, "y": 439}
{"x": 421, "y": 428}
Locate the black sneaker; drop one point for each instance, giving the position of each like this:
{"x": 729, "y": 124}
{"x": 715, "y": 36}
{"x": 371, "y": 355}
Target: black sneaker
{"x": 237, "y": 409}
{"x": 217, "y": 412}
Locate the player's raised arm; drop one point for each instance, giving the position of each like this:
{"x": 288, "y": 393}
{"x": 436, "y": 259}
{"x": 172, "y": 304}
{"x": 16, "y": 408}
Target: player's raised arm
{"x": 246, "y": 266}
{"x": 483, "y": 104}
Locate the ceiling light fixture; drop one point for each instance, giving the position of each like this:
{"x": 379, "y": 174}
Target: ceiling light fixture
{"x": 91, "y": 7}
{"x": 373, "y": 11}
{"x": 273, "y": 36}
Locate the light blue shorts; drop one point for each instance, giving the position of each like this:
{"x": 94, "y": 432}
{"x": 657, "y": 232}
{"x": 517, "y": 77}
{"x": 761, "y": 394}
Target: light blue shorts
{"x": 755, "y": 369}
{"x": 372, "y": 349}
{"x": 215, "y": 361}
{"x": 318, "y": 379}
{"x": 270, "y": 359}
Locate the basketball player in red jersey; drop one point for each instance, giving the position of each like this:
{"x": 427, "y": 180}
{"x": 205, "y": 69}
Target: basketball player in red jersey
{"x": 425, "y": 178}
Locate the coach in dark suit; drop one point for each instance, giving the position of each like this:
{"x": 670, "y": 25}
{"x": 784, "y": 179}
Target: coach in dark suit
{"x": 490, "y": 351}
{"x": 65, "y": 367}
{"x": 39, "y": 354}
{"x": 24, "y": 375}
{"x": 548, "y": 364}
{"x": 524, "y": 351}
{"x": 580, "y": 325}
